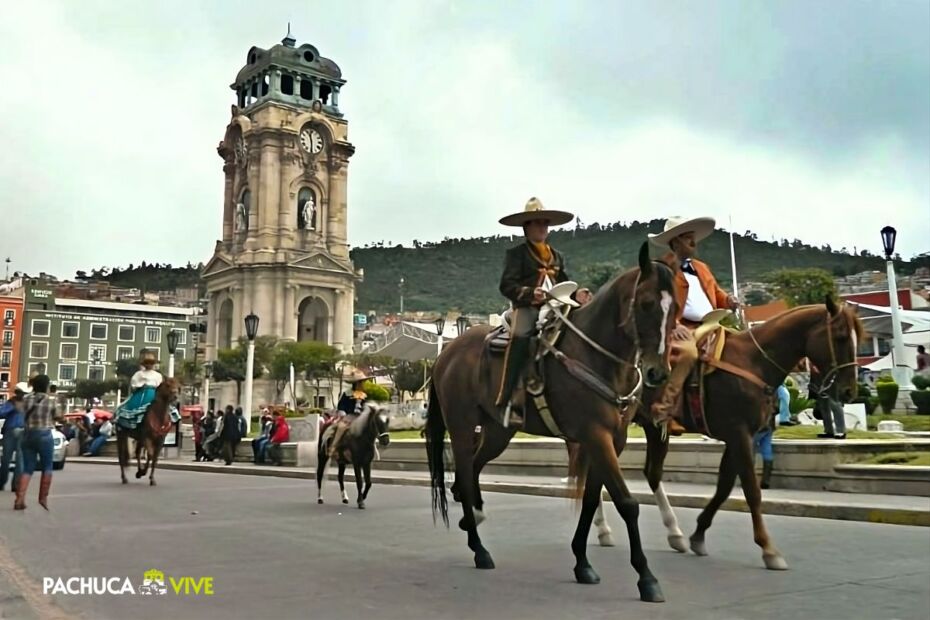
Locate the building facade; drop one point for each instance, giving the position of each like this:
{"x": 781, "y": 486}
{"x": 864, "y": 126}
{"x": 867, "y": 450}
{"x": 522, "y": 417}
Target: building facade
{"x": 72, "y": 339}
{"x": 283, "y": 254}
{"x": 11, "y": 312}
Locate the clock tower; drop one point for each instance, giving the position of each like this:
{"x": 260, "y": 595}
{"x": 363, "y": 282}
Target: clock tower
{"x": 285, "y": 156}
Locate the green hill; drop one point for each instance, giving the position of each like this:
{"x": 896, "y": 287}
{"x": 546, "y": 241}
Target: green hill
{"x": 463, "y": 274}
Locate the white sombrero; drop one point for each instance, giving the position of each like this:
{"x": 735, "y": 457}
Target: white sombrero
{"x": 676, "y": 226}
{"x": 24, "y": 387}
{"x": 561, "y": 294}
{"x": 534, "y": 210}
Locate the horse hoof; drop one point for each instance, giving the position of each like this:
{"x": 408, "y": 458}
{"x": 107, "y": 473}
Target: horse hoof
{"x": 319, "y": 500}
{"x": 361, "y": 505}
{"x": 125, "y": 481}
{"x": 606, "y": 539}
{"x": 774, "y": 561}
{"x": 151, "y": 483}
{"x": 677, "y": 542}
{"x": 345, "y": 501}
{"x": 139, "y": 474}
{"x": 698, "y": 546}
{"x": 586, "y": 575}
{"x": 483, "y": 560}
{"x": 650, "y": 592}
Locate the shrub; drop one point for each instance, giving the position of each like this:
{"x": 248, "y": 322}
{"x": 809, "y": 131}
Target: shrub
{"x": 921, "y": 382}
{"x": 887, "y": 389}
{"x": 798, "y": 403}
{"x": 375, "y": 392}
{"x": 921, "y": 399}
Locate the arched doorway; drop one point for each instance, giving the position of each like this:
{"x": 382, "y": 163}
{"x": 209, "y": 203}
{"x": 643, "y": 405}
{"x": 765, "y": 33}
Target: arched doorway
{"x": 313, "y": 320}
{"x": 224, "y": 323}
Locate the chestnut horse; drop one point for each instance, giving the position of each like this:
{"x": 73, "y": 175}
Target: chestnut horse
{"x": 621, "y": 337}
{"x": 735, "y": 406}
{"x": 150, "y": 433}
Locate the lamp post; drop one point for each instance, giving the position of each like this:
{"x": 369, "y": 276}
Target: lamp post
{"x": 172, "y": 339}
{"x": 461, "y": 324}
{"x": 900, "y": 371}
{"x": 400, "y": 288}
{"x": 440, "y": 327}
{"x": 205, "y": 397}
{"x": 251, "y": 330}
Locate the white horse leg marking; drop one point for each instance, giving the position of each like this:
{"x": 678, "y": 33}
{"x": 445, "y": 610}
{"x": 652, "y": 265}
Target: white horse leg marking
{"x": 605, "y": 536}
{"x": 676, "y": 538}
{"x": 345, "y": 496}
{"x": 666, "y": 304}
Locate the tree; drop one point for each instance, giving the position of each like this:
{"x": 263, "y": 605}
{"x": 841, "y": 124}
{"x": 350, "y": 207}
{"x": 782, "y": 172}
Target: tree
{"x": 314, "y": 360}
{"x": 230, "y": 363}
{"x": 89, "y": 389}
{"x": 598, "y": 274}
{"x": 189, "y": 371}
{"x": 799, "y": 287}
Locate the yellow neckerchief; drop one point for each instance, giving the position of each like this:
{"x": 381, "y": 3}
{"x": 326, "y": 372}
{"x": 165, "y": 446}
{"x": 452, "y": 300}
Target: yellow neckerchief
{"x": 543, "y": 254}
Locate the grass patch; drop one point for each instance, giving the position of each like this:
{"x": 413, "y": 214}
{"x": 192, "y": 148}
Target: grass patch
{"x": 913, "y": 423}
{"x": 913, "y": 459}
{"x": 810, "y": 432}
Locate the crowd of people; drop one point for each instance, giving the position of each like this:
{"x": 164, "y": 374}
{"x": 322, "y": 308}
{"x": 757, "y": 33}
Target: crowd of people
{"x": 217, "y": 436}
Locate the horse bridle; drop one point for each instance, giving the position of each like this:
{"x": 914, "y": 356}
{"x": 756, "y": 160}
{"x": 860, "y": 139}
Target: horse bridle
{"x": 830, "y": 377}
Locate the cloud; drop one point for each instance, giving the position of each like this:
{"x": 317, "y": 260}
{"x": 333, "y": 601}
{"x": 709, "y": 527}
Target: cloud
{"x": 797, "y": 120}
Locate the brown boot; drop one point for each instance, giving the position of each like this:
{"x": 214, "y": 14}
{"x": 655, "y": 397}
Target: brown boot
{"x": 45, "y": 483}
{"x": 674, "y": 428}
{"x": 20, "y": 503}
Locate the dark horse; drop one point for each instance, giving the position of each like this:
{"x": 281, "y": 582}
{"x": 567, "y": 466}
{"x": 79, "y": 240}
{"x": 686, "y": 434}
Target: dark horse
{"x": 356, "y": 447}
{"x": 621, "y": 338}
{"x": 736, "y": 406}
{"x": 150, "y": 433}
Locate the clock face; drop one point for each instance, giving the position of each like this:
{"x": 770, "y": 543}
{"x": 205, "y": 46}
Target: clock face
{"x": 311, "y": 141}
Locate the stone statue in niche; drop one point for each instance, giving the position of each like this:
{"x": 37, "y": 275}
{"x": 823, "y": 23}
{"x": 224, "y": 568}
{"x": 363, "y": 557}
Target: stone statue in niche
{"x": 242, "y": 217}
{"x": 307, "y": 214}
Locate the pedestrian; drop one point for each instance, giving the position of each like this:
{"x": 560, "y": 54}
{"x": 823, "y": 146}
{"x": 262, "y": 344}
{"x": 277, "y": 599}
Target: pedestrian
{"x": 197, "y": 423}
{"x": 923, "y": 360}
{"x": 827, "y": 409}
{"x": 38, "y": 447}
{"x": 103, "y": 432}
{"x": 209, "y": 429}
{"x": 13, "y": 423}
{"x": 280, "y": 434}
{"x": 762, "y": 443}
{"x": 784, "y": 411}
{"x": 231, "y": 436}
{"x": 259, "y": 443}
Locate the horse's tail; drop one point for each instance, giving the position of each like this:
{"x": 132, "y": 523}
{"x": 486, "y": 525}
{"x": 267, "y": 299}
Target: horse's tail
{"x": 435, "y": 434}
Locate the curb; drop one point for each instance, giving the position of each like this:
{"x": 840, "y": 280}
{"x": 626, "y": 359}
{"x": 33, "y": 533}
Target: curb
{"x": 781, "y": 507}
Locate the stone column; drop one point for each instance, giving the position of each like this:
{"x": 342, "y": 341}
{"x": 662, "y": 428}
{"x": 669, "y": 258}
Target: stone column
{"x": 335, "y": 96}
{"x": 336, "y": 214}
{"x": 269, "y": 189}
{"x": 316, "y": 89}
{"x": 229, "y": 201}
{"x": 290, "y": 312}
{"x": 337, "y": 320}
{"x": 287, "y": 220}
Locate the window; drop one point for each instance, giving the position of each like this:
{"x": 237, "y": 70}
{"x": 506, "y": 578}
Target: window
{"x": 95, "y": 373}
{"x": 41, "y": 327}
{"x": 884, "y": 346}
{"x": 69, "y": 351}
{"x": 67, "y": 372}
{"x": 287, "y": 84}
{"x": 7, "y": 338}
{"x": 153, "y": 334}
{"x": 306, "y": 90}
{"x": 179, "y": 353}
{"x": 126, "y": 333}
{"x": 8, "y": 317}
{"x": 6, "y": 359}
{"x": 124, "y": 353}
{"x": 70, "y": 329}
{"x": 98, "y": 331}
{"x": 39, "y": 350}
{"x": 182, "y": 335}
{"x": 97, "y": 352}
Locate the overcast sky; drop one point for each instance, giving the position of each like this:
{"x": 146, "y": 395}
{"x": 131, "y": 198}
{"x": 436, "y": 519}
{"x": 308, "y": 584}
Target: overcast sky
{"x": 796, "y": 119}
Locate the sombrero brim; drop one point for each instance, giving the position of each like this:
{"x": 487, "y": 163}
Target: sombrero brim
{"x": 356, "y": 379}
{"x": 702, "y": 227}
{"x": 562, "y": 292}
{"x": 555, "y": 218}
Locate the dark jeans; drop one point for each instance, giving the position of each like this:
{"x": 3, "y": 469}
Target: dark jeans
{"x": 522, "y": 325}
{"x": 274, "y": 453}
{"x": 258, "y": 449}
{"x": 832, "y": 412}
{"x": 12, "y": 451}
{"x": 38, "y": 448}
{"x": 96, "y": 445}
{"x": 229, "y": 450}
{"x": 199, "y": 454}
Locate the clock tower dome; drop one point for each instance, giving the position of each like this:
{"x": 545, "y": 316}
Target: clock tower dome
{"x": 285, "y": 156}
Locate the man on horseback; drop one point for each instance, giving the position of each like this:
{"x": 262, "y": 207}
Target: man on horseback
{"x": 530, "y": 269}
{"x": 697, "y": 294}
{"x": 350, "y": 406}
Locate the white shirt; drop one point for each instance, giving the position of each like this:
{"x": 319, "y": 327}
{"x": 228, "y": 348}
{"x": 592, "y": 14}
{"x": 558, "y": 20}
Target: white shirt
{"x": 697, "y": 305}
{"x": 145, "y": 377}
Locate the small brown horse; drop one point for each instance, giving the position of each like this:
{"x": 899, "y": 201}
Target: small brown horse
{"x": 357, "y": 447}
{"x": 736, "y": 407}
{"x": 150, "y": 433}
{"x": 621, "y": 336}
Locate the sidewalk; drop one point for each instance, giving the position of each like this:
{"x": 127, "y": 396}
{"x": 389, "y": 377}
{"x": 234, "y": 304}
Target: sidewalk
{"x": 893, "y": 509}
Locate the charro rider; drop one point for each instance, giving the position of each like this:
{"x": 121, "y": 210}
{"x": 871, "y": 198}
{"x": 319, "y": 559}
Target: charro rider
{"x": 350, "y": 406}
{"x": 530, "y": 269}
{"x": 142, "y": 385}
{"x": 697, "y": 294}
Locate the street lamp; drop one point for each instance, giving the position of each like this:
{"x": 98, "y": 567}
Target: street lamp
{"x": 461, "y": 324}
{"x": 251, "y": 330}
{"x": 205, "y": 397}
{"x": 900, "y": 370}
{"x": 400, "y": 288}
{"x": 440, "y": 327}
{"x": 173, "y": 337}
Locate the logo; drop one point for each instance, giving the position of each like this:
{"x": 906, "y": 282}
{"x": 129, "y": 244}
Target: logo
{"x": 153, "y": 582}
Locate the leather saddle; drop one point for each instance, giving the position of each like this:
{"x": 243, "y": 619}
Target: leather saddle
{"x": 711, "y": 338}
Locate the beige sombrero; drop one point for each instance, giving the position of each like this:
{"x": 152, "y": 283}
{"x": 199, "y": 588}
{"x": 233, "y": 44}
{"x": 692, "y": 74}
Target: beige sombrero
{"x": 702, "y": 227}
{"x": 534, "y": 210}
{"x": 357, "y": 376}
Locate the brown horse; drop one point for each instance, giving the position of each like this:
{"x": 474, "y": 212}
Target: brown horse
{"x": 736, "y": 406}
{"x": 622, "y": 338}
{"x": 150, "y": 433}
